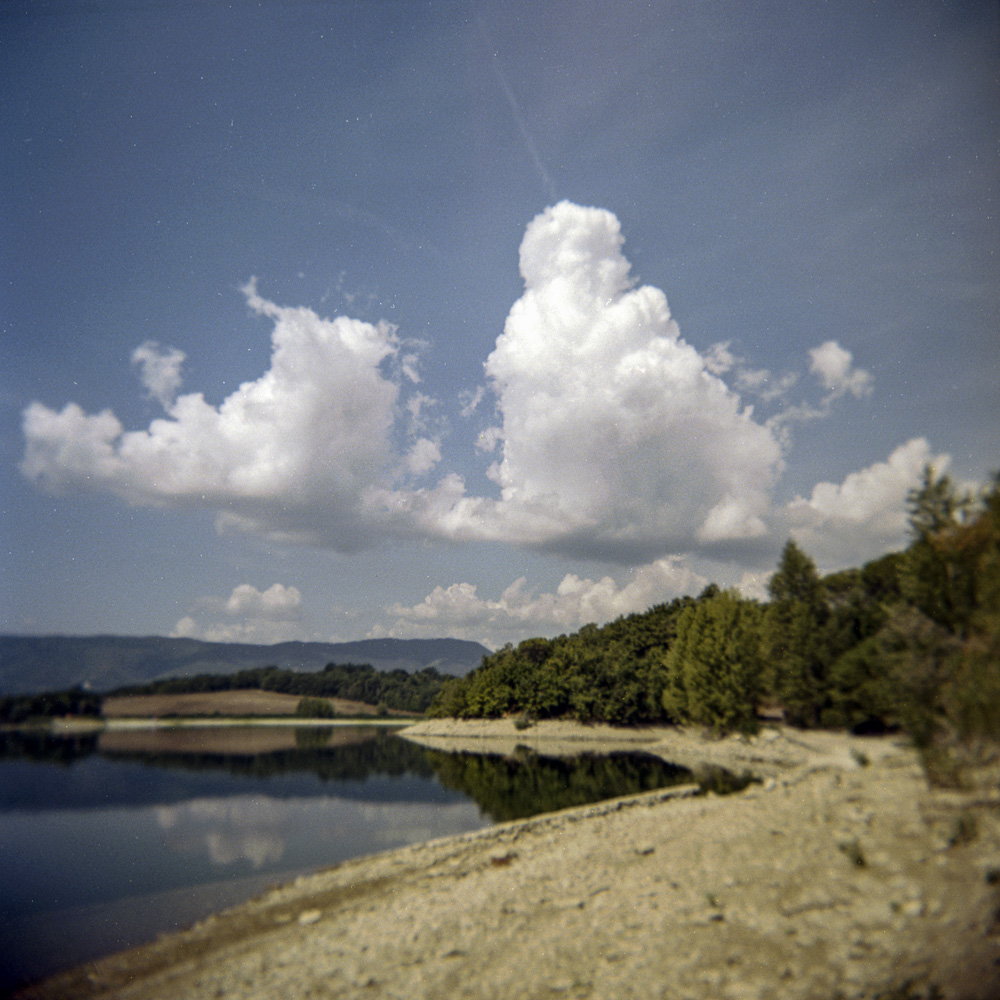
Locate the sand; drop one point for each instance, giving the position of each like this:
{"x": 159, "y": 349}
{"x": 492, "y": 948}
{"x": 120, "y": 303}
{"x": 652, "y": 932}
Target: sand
{"x": 842, "y": 874}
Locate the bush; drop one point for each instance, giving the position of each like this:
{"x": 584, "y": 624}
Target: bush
{"x": 315, "y": 708}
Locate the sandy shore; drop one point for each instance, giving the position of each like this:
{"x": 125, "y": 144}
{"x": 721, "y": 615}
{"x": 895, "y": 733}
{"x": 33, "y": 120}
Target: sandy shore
{"x": 841, "y": 875}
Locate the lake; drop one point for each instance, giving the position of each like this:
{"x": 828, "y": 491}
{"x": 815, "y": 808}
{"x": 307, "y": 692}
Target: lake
{"x": 107, "y": 840}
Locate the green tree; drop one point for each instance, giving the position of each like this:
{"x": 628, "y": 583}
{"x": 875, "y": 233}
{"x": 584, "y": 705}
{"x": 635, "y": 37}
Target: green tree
{"x": 935, "y": 506}
{"x": 792, "y": 631}
{"x": 451, "y": 700}
{"x": 861, "y": 692}
{"x": 714, "y": 666}
{"x": 796, "y": 578}
{"x": 940, "y": 572}
{"x": 945, "y": 644}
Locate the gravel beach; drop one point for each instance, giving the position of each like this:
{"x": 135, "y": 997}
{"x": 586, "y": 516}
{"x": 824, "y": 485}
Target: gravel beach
{"x": 841, "y": 874}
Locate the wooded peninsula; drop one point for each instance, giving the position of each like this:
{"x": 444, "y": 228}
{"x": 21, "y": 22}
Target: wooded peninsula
{"x": 908, "y": 641}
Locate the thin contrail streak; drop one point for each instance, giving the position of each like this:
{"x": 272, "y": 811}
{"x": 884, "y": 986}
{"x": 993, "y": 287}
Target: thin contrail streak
{"x": 515, "y": 110}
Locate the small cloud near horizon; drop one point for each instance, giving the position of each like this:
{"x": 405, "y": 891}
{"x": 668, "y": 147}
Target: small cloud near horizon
{"x": 247, "y": 615}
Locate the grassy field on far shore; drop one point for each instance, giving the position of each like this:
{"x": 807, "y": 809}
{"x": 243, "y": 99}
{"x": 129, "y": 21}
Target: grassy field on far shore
{"x": 224, "y": 703}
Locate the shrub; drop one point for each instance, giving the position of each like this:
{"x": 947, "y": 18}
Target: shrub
{"x": 315, "y": 708}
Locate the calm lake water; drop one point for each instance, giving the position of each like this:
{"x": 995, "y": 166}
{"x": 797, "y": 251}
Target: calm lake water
{"x": 107, "y": 841}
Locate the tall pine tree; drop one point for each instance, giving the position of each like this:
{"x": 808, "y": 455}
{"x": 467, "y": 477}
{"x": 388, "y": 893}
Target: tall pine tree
{"x": 714, "y": 665}
{"x": 792, "y": 629}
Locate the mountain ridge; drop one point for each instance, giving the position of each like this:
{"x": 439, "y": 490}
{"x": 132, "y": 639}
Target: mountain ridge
{"x": 34, "y": 663}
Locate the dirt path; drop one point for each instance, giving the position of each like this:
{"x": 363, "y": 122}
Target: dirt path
{"x": 832, "y": 878}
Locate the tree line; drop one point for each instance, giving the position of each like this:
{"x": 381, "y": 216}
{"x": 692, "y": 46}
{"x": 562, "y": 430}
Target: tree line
{"x": 394, "y": 689}
{"x": 19, "y": 708}
{"x": 910, "y": 640}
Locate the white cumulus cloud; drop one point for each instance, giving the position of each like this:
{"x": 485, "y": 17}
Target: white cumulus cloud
{"x": 277, "y": 602}
{"x": 849, "y": 523}
{"x": 247, "y": 615}
{"x": 291, "y": 454}
{"x": 616, "y": 438}
{"x": 833, "y": 365}
{"x": 611, "y": 436}
{"x": 458, "y": 610}
{"x": 423, "y": 456}
{"x": 758, "y": 382}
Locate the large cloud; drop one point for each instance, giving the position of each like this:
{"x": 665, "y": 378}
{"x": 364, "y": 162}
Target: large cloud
{"x": 616, "y": 440}
{"x": 614, "y": 437}
{"x": 293, "y": 453}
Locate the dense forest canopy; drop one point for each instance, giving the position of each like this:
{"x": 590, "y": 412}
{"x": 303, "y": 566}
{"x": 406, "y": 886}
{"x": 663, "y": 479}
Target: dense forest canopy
{"x": 911, "y": 640}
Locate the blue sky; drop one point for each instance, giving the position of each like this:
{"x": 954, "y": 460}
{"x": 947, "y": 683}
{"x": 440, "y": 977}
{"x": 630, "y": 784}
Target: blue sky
{"x": 329, "y": 320}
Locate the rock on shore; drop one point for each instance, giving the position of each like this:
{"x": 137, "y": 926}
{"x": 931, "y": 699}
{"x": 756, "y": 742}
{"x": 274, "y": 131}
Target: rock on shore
{"x": 840, "y": 875}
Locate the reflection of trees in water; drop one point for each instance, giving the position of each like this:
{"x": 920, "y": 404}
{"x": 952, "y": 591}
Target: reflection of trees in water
{"x": 312, "y": 738}
{"x": 380, "y": 754}
{"x": 42, "y": 746}
{"x": 504, "y": 787}
{"x": 514, "y": 787}
{"x": 526, "y": 784}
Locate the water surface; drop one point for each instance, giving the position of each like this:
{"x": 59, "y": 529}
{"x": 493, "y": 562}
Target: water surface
{"x": 107, "y": 841}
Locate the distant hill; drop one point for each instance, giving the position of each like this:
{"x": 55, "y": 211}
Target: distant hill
{"x": 33, "y": 663}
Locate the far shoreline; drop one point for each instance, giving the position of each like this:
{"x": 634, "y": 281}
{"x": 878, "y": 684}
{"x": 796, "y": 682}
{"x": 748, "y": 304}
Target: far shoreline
{"x": 74, "y": 726}
{"x": 85, "y": 725}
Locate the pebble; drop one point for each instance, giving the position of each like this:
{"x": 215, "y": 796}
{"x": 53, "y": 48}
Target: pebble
{"x": 307, "y": 917}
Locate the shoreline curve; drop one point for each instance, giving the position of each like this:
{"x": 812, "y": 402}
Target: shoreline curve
{"x": 843, "y": 872}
